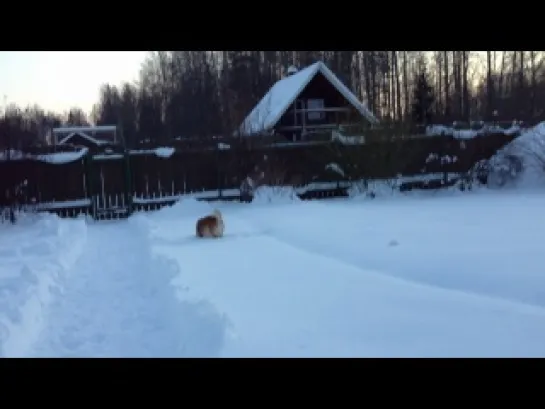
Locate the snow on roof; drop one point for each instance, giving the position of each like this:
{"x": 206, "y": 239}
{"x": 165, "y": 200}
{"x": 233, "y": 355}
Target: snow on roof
{"x": 53, "y": 157}
{"x": 59, "y": 158}
{"x": 283, "y": 93}
{"x": 98, "y": 128}
{"x": 84, "y": 136}
{"x": 438, "y": 130}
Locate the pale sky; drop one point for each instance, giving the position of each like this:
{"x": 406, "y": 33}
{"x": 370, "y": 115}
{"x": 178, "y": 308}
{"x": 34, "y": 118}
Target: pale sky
{"x": 59, "y": 80}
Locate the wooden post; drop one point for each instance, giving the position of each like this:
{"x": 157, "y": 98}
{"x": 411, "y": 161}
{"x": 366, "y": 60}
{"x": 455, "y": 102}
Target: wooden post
{"x": 218, "y": 171}
{"x": 127, "y": 169}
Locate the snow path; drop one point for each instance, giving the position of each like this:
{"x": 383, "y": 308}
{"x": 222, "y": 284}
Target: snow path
{"x": 35, "y": 256}
{"x": 118, "y": 302}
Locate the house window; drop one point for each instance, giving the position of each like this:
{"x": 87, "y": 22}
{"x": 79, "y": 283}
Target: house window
{"x": 315, "y": 104}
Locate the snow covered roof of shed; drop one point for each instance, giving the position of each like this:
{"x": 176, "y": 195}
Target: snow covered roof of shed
{"x": 84, "y": 136}
{"x": 283, "y": 93}
{"x": 63, "y": 134}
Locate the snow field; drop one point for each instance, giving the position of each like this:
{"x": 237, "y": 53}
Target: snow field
{"x": 432, "y": 273}
{"x": 418, "y": 275}
{"x": 35, "y": 257}
{"x": 423, "y": 277}
{"x": 486, "y": 243}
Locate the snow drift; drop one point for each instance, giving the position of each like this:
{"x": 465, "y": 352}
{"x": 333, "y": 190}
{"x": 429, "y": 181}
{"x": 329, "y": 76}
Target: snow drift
{"x": 37, "y": 253}
{"x": 373, "y": 188}
{"x": 521, "y": 163}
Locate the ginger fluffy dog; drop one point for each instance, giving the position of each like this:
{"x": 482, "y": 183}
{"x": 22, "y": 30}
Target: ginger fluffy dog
{"x": 211, "y": 225}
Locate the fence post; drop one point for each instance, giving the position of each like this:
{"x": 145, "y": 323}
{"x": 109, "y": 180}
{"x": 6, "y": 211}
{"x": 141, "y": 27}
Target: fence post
{"x": 87, "y": 169}
{"x": 127, "y": 170}
{"x": 128, "y": 179}
{"x": 218, "y": 171}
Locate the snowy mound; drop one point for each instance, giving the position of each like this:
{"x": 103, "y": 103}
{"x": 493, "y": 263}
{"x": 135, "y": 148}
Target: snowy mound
{"x": 521, "y": 163}
{"x": 275, "y": 194}
{"x": 36, "y": 254}
{"x": 186, "y": 207}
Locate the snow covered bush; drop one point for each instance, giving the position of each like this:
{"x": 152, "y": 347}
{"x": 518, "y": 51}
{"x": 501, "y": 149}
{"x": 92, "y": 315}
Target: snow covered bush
{"x": 275, "y": 194}
{"x": 476, "y": 177}
{"x": 504, "y": 170}
{"x": 374, "y": 188}
{"x": 270, "y": 181}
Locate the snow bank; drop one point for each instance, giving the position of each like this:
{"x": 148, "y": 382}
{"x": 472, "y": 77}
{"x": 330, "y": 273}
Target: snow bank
{"x": 185, "y": 207}
{"x": 275, "y": 194}
{"x": 521, "y": 163}
{"x": 36, "y": 254}
{"x": 391, "y": 187}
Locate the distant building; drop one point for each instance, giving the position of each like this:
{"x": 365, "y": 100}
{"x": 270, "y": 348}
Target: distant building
{"x": 88, "y": 136}
{"x": 304, "y": 102}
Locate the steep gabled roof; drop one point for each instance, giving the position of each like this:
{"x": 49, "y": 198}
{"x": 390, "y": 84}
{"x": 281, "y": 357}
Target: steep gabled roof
{"x": 83, "y": 135}
{"x": 283, "y": 93}
{"x": 83, "y": 131}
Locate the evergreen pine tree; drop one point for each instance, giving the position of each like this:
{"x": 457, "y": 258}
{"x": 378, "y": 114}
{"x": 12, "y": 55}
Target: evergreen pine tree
{"x": 423, "y": 99}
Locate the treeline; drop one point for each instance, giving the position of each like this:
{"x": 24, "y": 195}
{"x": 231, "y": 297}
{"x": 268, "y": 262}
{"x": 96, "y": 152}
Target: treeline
{"x": 202, "y": 93}
{"x": 21, "y": 127}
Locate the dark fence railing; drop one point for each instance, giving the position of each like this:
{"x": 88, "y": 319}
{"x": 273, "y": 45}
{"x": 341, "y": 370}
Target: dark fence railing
{"x": 113, "y": 183}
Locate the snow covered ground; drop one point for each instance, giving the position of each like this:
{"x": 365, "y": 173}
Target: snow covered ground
{"x": 438, "y": 275}
{"x": 36, "y": 257}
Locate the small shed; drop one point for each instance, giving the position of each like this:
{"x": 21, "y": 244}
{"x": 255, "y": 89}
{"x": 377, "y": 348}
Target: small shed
{"x": 88, "y": 136}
